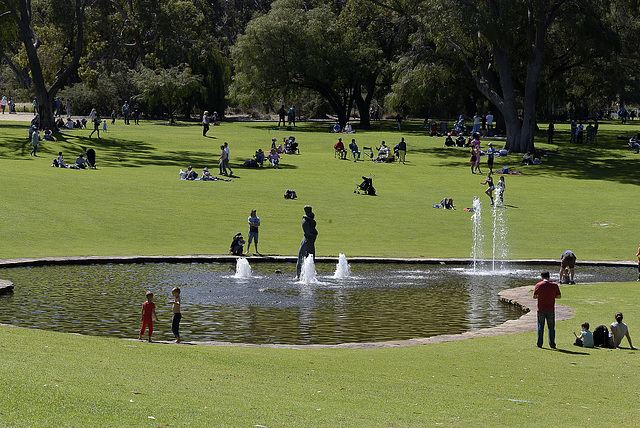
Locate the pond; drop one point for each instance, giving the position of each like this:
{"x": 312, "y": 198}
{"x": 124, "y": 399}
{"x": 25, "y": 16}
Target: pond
{"x": 377, "y": 302}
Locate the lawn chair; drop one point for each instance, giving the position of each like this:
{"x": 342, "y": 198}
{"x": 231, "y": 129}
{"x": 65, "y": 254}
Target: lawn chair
{"x": 368, "y": 151}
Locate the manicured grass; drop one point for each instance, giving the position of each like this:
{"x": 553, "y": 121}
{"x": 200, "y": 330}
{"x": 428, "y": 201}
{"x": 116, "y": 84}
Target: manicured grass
{"x": 53, "y": 379}
{"x": 136, "y": 205}
{"x": 583, "y": 198}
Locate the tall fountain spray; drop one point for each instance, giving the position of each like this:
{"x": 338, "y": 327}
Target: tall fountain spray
{"x": 243, "y": 269}
{"x": 476, "y": 218}
{"x": 500, "y": 247}
{"x": 308, "y": 271}
{"x": 343, "y": 270}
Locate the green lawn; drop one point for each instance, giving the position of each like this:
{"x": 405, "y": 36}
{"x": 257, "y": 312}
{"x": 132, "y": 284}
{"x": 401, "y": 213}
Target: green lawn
{"x": 584, "y": 199}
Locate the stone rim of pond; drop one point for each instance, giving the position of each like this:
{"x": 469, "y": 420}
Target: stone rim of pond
{"x": 519, "y": 297}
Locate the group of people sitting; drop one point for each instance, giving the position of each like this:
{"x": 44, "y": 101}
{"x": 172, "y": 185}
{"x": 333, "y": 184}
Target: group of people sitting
{"x": 337, "y": 129}
{"x": 384, "y": 154}
{"x": 458, "y": 142}
{"x": 81, "y": 162}
{"x": 531, "y": 159}
{"x": 603, "y": 337}
{"x": 446, "y": 203}
{"x": 191, "y": 174}
{"x": 70, "y": 124}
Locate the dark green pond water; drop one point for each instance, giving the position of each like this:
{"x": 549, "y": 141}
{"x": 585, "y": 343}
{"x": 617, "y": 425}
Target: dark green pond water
{"x": 377, "y": 303}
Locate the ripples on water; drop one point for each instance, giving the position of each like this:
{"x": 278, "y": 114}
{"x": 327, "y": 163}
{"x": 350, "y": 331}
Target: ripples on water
{"x": 376, "y": 303}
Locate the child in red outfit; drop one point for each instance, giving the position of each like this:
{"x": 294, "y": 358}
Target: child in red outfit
{"x": 148, "y": 312}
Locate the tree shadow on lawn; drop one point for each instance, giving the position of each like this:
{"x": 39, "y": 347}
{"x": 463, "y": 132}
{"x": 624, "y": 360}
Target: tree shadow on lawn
{"x": 608, "y": 160}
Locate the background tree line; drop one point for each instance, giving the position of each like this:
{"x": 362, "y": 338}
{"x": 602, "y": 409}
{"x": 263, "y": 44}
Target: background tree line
{"x": 522, "y": 59}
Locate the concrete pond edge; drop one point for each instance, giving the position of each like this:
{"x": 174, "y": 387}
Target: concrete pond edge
{"x": 520, "y": 297}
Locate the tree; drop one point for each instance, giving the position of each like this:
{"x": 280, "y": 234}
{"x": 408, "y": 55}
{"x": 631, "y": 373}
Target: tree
{"x": 299, "y": 47}
{"x": 47, "y": 79}
{"x": 166, "y": 87}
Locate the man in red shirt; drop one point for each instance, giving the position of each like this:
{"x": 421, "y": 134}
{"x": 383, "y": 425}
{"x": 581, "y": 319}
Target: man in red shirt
{"x": 546, "y": 292}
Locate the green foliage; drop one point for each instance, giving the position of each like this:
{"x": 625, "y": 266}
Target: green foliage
{"x": 166, "y": 87}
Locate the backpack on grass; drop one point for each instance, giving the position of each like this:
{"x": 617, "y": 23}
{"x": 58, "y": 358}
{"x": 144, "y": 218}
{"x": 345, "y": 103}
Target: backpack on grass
{"x": 601, "y": 336}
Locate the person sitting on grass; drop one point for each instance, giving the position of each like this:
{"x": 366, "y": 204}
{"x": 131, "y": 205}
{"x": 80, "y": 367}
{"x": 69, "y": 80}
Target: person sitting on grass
{"x": 274, "y": 158}
{"x": 207, "y": 176}
{"x": 460, "y": 140}
{"x": 447, "y": 203}
{"x": 448, "y": 142}
{"x": 336, "y": 128}
{"x": 527, "y": 159}
{"x": 339, "y": 147}
{"x": 259, "y": 156}
{"x": 81, "y": 162}
{"x": 617, "y": 331}
{"x": 633, "y": 144}
{"x": 585, "y": 338}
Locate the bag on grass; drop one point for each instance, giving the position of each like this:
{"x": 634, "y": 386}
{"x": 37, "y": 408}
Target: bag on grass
{"x": 601, "y": 336}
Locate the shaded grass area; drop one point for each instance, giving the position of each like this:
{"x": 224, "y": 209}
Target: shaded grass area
{"x": 580, "y": 198}
{"x": 71, "y": 380}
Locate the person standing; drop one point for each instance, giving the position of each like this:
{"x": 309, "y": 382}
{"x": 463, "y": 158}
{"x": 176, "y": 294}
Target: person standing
{"x": 501, "y": 188}
{"x": 490, "y": 154}
{"x": 308, "y": 243}
{"x": 3, "y": 103}
{"x": 281, "y": 114}
{"x": 177, "y": 315}
{"x": 292, "y": 115}
{"x": 222, "y": 161}
{"x": 567, "y": 262}
{"x": 226, "y": 148}
{"x": 546, "y": 292}
{"x": 205, "y": 123}
{"x": 638, "y": 256}
{"x": 125, "y": 112}
{"x": 402, "y": 150}
{"x": 35, "y": 106}
{"x": 476, "y": 123}
{"x": 136, "y": 114}
{"x": 58, "y": 106}
{"x": 490, "y": 124}
{"x": 67, "y": 107}
{"x": 35, "y": 138}
{"x": 254, "y": 223}
{"x": 550, "y": 130}
{"x": 148, "y": 312}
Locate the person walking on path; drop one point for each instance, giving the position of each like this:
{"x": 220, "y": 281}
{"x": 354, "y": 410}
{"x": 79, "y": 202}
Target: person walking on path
{"x": 546, "y": 292}
{"x": 308, "y": 243}
{"x": 281, "y": 115}
{"x": 148, "y": 312}
{"x": 567, "y": 263}
{"x": 254, "y": 223}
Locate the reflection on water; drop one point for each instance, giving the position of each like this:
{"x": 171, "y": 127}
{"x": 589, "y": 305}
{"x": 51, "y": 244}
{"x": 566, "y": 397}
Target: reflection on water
{"x": 376, "y": 303}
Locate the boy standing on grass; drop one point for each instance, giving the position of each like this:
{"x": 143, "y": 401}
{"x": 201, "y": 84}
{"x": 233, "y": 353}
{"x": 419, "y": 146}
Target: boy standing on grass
{"x": 177, "y": 316}
{"x": 148, "y": 312}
